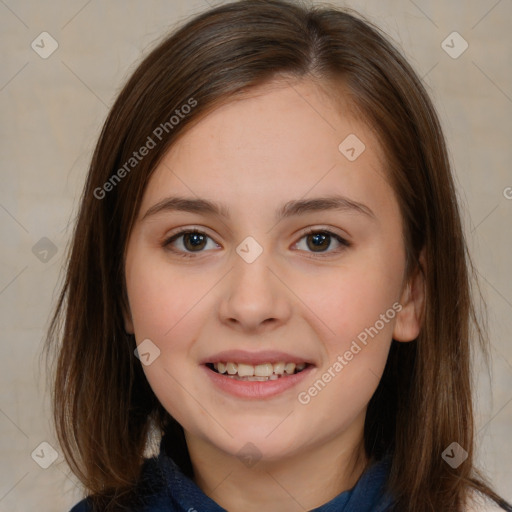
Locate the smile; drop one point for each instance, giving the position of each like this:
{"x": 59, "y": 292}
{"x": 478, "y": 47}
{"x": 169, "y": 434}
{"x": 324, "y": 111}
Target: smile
{"x": 257, "y": 382}
{"x": 261, "y": 372}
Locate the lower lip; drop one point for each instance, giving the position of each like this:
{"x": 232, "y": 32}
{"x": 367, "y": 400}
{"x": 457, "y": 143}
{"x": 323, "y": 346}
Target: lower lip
{"x": 257, "y": 389}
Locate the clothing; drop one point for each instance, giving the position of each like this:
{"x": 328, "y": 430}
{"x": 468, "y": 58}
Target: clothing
{"x": 175, "y": 492}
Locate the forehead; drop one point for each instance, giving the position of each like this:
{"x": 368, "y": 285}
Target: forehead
{"x": 280, "y": 140}
{"x": 273, "y": 118}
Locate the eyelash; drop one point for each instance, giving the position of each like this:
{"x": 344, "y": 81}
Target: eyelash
{"x": 167, "y": 243}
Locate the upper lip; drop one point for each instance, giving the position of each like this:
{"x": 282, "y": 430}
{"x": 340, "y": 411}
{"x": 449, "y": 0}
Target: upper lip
{"x": 254, "y": 358}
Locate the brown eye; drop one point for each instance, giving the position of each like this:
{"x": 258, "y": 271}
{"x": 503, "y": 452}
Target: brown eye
{"x": 194, "y": 241}
{"x": 187, "y": 242}
{"x": 319, "y": 241}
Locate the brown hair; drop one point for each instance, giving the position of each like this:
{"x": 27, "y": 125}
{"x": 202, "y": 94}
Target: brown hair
{"x": 103, "y": 404}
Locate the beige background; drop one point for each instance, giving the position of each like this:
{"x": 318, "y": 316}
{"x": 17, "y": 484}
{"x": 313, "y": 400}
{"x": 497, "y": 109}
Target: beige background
{"x": 52, "y": 111}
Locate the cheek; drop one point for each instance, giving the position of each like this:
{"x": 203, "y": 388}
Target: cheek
{"x": 353, "y": 298}
{"x": 355, "y": 305}
{"x": 160, "y": 296}
{"x": 358, "y": 308}
{"x": 166, "y": 307}
{"x": 151, "y": 311}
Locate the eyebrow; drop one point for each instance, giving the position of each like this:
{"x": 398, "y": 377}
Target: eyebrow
{"x": 289, "y": 209}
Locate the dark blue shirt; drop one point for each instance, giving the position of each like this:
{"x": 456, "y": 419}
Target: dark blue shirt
{"x": 170, "y": 490}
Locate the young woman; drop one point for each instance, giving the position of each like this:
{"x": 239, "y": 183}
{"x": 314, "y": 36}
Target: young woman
{"x": 268, "y": 273}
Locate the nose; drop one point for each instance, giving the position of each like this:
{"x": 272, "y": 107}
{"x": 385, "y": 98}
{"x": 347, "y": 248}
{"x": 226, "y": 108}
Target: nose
{"x": 255, "y": 297}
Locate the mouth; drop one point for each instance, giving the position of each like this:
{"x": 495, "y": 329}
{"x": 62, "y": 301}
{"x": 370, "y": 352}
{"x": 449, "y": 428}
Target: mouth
{"x": 260, "y": 372}
{"x": 257, "y": 375}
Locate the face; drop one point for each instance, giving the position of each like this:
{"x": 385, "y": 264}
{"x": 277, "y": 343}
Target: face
{"x": 267, "y": 279}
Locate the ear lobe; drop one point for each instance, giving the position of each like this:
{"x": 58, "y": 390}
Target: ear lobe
{"x": 410, "y": 319}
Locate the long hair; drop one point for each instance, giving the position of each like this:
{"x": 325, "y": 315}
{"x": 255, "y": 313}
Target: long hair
{"x": 103, "y": 404}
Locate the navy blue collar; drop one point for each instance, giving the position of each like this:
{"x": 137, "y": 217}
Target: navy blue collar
{"x": 179, "y": 493}
{"x": 164, "y": 487}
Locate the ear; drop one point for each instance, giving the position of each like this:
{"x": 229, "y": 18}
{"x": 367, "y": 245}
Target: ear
{"x": 410, "y": 318}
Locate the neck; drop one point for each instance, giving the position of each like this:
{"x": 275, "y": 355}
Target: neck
{"x": 301, "y": 481}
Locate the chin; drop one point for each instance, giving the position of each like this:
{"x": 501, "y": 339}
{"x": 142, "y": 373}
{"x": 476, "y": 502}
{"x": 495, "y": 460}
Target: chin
{"x": 259, "y": 442}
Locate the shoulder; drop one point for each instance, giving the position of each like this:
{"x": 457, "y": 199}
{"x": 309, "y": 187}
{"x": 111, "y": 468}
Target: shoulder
{"x": 82, "y": 506}
{"x": 149, "y": 506}
{"x": 148, "y": 494}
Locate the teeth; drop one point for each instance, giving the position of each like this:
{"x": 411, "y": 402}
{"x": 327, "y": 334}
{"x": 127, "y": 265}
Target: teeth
{"x": 260, "y": 372}
{"x": 245, "y": 370}
{"x": 279, "y": 368}
{"x": 289, "y": 368}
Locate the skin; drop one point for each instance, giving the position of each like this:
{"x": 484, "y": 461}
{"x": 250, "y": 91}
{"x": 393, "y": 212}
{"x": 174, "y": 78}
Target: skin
{"x": 278, "y": 143}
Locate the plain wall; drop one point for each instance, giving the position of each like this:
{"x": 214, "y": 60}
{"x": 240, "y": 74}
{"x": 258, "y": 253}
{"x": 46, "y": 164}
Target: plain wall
{"x": 52, "y": 112}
